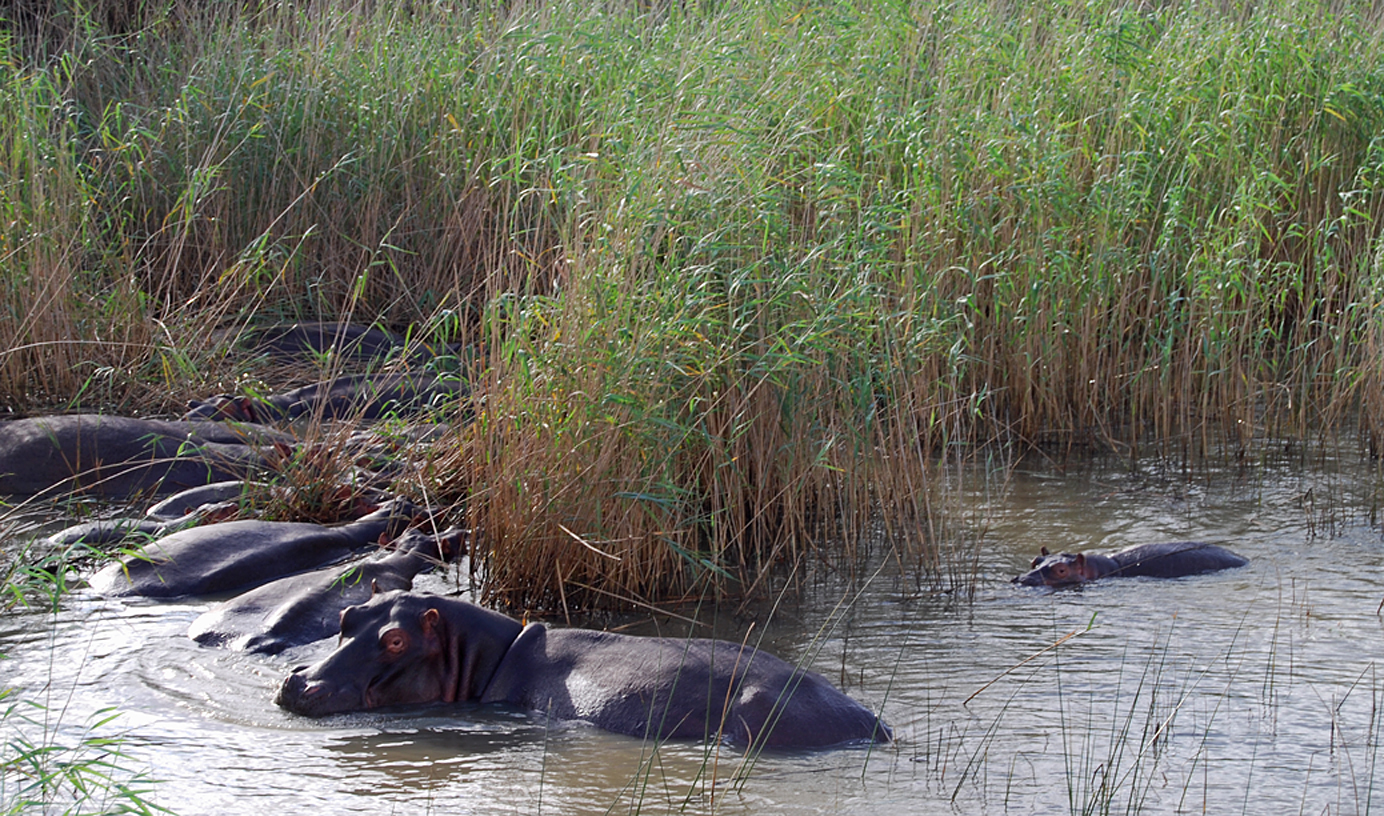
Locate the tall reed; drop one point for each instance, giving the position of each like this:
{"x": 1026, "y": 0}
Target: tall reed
{"x": 739, "y": 272}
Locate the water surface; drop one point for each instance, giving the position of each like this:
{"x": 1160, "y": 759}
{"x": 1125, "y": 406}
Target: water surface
{"x": 1254, "y": 690}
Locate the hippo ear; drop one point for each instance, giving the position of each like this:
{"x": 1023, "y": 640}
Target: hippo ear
{"x": 1042, "y": 550}
{"x": 1081, "y": 561}
{"x": 451, "y": 546}
{"x": 245, "y": 409}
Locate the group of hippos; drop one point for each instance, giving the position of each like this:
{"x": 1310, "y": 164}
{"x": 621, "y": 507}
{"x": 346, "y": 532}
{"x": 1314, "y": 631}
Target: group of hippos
{"x": 288, "y": 584}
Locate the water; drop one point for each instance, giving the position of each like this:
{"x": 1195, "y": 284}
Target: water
{"x": 1250, "y": 691}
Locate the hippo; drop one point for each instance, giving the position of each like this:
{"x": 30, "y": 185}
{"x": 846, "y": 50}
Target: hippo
{"x": 347, "y": 340}
{"x": 180, "y": 504}
{"x": 407, "y": 648}
{"x": 363, "y": 396}
{"x": 108, "y": 532}
{"x": 305, "y": 608}
{"x": 117, "y": 457}
{"x": 235, "y": 556}
{"x": 1168, "y": 560}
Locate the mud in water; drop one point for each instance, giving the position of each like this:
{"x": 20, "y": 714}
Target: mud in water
{"x": 1255, "y": 690}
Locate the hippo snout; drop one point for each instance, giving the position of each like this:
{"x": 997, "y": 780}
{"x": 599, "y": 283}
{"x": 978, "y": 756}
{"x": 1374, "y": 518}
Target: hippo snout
{"x": 293, "y": 688}
{"x": 313, "y": 694}
{"x": 301, "y": 696}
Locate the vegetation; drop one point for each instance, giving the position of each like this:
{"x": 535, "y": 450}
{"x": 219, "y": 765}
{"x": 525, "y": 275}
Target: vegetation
{"x": 738, "y": 272}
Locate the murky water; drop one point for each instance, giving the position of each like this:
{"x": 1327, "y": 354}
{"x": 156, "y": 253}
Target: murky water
{"x": 1251, "y": 691}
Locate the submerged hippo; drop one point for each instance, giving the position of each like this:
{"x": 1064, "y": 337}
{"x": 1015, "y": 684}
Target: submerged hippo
{"x": 108, "y": 532}
{"x": 305, "y": 608}
{"x": 403, "y": 649}
{"x": 363, "y": 396}
{"x": 1169, "y": 560}
{"x": 120, "y": 456}
{"x": 238, "y": 555}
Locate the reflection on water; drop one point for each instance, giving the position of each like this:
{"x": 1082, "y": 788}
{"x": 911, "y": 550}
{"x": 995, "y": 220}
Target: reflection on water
{"x": 1254, "y": 690}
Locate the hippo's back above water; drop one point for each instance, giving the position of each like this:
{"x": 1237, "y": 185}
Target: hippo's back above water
{"x": 1173, "y": 559}
{"x": 118, "y": 456}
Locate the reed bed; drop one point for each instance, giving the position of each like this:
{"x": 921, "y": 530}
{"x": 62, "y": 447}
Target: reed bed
{"x": 737, "y": 273}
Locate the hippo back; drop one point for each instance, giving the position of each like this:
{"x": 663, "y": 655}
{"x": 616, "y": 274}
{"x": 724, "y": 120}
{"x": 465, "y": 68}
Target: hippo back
{"x": 666, "y": 688}
{"x": 1174, "y": 559}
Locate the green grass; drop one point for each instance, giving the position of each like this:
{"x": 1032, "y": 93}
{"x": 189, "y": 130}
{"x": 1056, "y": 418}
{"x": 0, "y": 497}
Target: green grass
{"x": 737, "y": 273}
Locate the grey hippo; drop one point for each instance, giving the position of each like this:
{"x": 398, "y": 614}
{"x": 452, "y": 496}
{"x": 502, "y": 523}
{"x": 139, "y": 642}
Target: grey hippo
{"x": 407, "y": 649}
{"x": 358, "y": 396}
{"x": 305, "y": 608}
{"x": 314, "y": 340}
{"x": 234, "y": 556}
{"x": 1175, "y": 559}
{"x": 117, "y": 531}
{"x": 117, "y": 456}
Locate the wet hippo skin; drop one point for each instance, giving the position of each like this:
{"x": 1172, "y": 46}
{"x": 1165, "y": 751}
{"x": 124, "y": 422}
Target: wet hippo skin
{"x": 235, "y": 556}
{"x": 304, "y": 608}
{"x": 402, "y": 648}
{"x": 108, "y": 532}
{"x": 1176, "y": 559}
{"x": 180, "y": 504}
{"x": 116, "y": 456}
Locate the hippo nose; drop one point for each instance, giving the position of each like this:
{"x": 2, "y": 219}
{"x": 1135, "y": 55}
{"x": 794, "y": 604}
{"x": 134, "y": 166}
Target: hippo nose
{"x": 291, "y": 689}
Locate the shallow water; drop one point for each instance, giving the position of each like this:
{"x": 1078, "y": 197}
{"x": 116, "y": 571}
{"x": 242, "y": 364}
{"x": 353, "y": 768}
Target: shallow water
{"x": 1254, "y": 690}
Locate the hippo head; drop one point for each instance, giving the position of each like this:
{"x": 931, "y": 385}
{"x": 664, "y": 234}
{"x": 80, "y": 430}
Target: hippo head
{"x": 443, "y": 547}
{"x": 223, "y": 406}
{"x": 402, "y": 649}
{"x": 1062, "y": 569}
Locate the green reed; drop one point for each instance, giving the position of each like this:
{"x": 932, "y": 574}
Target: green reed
{"x": 736, "y": 273}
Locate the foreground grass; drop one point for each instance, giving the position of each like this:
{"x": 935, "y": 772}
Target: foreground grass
{"x": 736, "y": 273}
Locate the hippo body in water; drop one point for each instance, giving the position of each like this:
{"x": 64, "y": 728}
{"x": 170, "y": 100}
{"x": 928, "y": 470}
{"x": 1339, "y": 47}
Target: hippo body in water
{"x": 187, "y": 501}
{"x": 118, "y": 457}
{"x": 109, "y": 532}
{"x": 238, "y": 555}
{"x": 405, "y": 649}
{"x": 350, "y": 341}
{"x": 361, "y": 396}
{"x": 305, "y": 608}
{"x": 1175, "y": 559}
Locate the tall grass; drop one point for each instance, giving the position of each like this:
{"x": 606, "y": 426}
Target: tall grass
{"x": 738, "y": 272}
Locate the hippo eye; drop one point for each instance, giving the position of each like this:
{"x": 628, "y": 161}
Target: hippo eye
{"x": 1060, "y": 570}
{"x": 394, "y": 641}
{"x": 1036, "y": 562}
